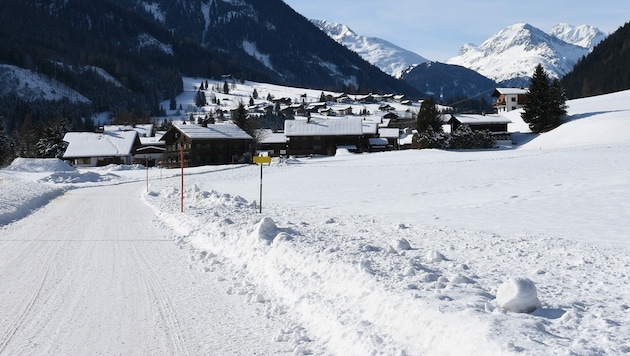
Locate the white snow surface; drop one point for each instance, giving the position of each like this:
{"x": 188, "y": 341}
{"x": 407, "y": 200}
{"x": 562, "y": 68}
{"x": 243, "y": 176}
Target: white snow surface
{"x": 398, "y": 253}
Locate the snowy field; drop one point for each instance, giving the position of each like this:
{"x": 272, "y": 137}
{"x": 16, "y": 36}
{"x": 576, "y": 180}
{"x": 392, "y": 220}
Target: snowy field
{"x": 421, "y": 252}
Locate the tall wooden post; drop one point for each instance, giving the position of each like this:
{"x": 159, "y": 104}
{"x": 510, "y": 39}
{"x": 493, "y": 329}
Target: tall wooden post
{"x": 181, "y": 160}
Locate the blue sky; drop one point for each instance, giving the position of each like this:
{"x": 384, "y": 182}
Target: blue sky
{"x": 437, "y": 29}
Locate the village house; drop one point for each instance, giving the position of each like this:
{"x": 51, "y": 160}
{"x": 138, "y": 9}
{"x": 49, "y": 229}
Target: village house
{"x": 508, "y": 99}
{"x": 150, "y": 152}
{"x": 151, "y": 149}
{"x": 273, "y": 143}
{"x": 391, "y": 137}
{"x": 207, "y": 145}
{"x": 90, "y": 149}
{"x": 496, "y": 124}
{"x": 306, "y": 136}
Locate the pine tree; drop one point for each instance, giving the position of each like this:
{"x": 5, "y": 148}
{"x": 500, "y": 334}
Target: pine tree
{"x": 4, "y": 145}
{"x": 429, "y": 116}
{"x": 545, "y": 103}
{"x": 557, "y": 105}
{"x": 51, "y": 144}
{"x": 200, "y": 99}
{"x": 239, "y": 117}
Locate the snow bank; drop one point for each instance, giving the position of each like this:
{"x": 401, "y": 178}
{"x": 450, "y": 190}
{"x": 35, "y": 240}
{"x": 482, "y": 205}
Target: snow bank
{"x": 19, "y": 198}
{"x": 38, "y": 165}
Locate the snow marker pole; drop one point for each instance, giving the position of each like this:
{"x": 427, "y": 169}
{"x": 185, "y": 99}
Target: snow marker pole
{"x": 260, "y": 203}
{"x": 181, "y": 159}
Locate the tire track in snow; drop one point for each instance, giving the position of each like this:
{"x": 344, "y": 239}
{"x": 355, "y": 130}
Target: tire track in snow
{"x": 15, "y": 325}
{"x": 167, "y": 313}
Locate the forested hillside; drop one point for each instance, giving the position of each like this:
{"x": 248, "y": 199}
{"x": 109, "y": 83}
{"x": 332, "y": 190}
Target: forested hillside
{"x": 603, "y": 71}
{"x": 125, "y": 57}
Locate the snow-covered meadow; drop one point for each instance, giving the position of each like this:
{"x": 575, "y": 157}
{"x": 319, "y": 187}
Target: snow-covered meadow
{"x": 407, "y": 252}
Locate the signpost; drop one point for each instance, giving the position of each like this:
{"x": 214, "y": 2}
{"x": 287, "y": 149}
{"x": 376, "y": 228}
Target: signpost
{"x": 260, "y": 160}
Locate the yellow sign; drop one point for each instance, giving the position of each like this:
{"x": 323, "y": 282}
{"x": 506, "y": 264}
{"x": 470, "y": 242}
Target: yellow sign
{"x": 262, "y": 159}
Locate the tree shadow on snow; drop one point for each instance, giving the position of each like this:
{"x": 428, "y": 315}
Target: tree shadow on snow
{"x": 589, "y": 114}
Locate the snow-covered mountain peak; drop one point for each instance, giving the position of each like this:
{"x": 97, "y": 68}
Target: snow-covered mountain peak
{"x": 390, "y": 58}
{"x": 519, "y": 35}
{"x": 335, "y": 30}
{"x": 584, "y": 35}
{"x": 512, "y": 54}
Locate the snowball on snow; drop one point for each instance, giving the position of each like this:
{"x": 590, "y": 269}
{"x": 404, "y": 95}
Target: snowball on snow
{"x": 435, "y": 256}
{"x": 518, "y": 295}
{"x": 266, "y": 230}
{"x": 401, "y": 244}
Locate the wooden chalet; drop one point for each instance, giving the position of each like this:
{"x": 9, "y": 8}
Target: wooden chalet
{"x": 273, "y": 143}
{"x": 496, "y": 124}
{"x": 207, "y": 145}
{"x": 307, "y": 136}
{"x": 508, "y": 99}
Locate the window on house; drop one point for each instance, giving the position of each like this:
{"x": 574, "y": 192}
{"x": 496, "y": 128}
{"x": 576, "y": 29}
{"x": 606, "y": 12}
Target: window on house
{"x": 513, "y": 99}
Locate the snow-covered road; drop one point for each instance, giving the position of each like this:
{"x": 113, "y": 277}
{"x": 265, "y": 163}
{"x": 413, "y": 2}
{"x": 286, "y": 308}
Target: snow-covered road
{"x": 103, "y": 276}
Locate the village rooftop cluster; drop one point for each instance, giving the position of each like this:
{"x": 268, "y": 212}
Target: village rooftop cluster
{"x": 318, "y": 123}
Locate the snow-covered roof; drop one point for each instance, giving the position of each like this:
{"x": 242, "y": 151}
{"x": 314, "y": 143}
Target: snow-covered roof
{"x": 214, "y": 131}
{"x": 106, "y": 144}
{"x": 510, "y": 91}
{"x": 268, "y": 136}
{"x": 324, "y": 127}
{"x": 389, "y": 132}
{"x": 481, "y": 119}
{"x": 155, "y": 140}
{"x": 370, "y": 127}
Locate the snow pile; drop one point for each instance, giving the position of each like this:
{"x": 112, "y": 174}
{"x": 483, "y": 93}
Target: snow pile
{"x": 38, "y": 165}
{"x": 19, "y": 197}
{"x": 518, "y": 295}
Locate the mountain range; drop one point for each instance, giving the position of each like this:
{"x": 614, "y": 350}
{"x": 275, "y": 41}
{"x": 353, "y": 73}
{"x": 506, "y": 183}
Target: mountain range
{"x": 505, "y": 59}
{"x": 510, "y": 56}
